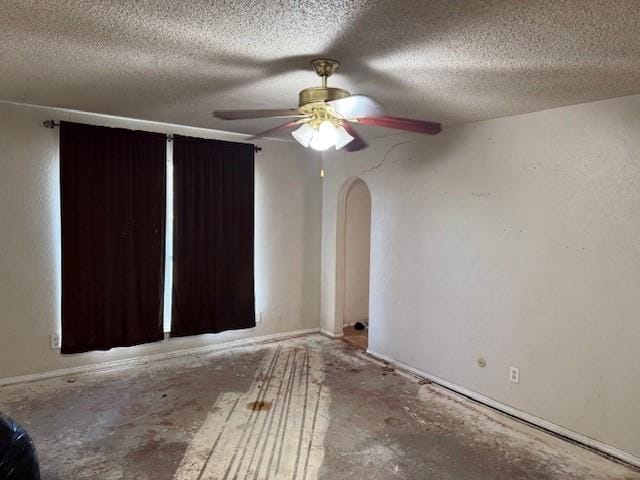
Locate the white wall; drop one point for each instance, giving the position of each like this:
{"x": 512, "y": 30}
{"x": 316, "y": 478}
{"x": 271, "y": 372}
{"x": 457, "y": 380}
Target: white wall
{"x": 288, "y": 212}
{"x": 516, "y": 240}
{"x": 356, "y": 254}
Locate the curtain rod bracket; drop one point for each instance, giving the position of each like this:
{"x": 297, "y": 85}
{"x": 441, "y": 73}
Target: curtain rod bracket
{"x": 257, "y": 149}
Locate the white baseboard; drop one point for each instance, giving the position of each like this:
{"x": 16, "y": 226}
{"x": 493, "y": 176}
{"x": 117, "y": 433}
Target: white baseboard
{"x": 130, "y": 362}
{"x": 519, "y": 414}
{"x": 331, "y": 334}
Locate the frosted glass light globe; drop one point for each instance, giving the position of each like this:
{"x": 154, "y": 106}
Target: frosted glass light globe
{"x": 304, "y": 134}
{"x": 325, "y": 137}
{"x": 342, "y": 137}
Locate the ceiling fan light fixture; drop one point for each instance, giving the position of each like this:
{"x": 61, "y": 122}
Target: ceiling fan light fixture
{"x": 325, "y": 137}
{"x": 342, "y": 137}
{"x": 304, "y": 134}
{"x": 323, "y": 113}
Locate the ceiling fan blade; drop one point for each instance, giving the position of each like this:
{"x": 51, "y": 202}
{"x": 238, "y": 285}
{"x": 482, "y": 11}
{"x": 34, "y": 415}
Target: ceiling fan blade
{"x": 357, "y": 143}
{"x": 264, "y": 113}
{"x": 420, "y": 126}
{"x": 357, "y": 106}
{"x": 284, "y": 126}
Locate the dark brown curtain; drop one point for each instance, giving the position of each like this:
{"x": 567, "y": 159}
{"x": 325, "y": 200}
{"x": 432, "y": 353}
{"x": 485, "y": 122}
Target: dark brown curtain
{"x": 113, "y": 223}
{"x": 213, "y": 279}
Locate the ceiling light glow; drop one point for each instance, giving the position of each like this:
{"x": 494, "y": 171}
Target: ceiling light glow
{"x": 325, "y": 137}
{"x": 322, "y": 138}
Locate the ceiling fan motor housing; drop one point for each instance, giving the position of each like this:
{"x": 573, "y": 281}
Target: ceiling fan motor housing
{"x": 309, "y": 98}
{"x": 314, "y": 95}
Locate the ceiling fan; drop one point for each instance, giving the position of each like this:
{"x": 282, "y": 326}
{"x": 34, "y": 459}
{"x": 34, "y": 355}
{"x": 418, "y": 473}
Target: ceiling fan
{"x": 325, "y": 114}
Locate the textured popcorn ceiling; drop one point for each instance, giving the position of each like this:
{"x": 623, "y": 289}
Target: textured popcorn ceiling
{"x": 451, "y": 61}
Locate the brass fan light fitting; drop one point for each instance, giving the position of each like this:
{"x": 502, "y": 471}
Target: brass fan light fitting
{"x": 312, "y": 100}
{"x": 324, "y": 126}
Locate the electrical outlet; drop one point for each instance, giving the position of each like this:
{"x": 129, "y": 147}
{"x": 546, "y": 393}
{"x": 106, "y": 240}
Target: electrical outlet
{"x": 258, "y": 317}
{"x": 55, "y": 341}
{"x": 514, "y": 374}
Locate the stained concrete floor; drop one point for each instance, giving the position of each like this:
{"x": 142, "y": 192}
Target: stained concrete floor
{"x": 304, "y": 408}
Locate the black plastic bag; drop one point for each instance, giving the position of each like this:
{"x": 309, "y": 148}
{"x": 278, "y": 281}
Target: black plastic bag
{"x": 18, "y": 458}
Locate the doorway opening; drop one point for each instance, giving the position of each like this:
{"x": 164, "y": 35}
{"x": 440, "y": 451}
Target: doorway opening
{"x": 353, "y": 259}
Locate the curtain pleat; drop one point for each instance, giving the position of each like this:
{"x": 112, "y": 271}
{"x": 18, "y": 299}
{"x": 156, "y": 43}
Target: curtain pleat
{"x": 213, "y": 242}
{"x": 113, "y": 236}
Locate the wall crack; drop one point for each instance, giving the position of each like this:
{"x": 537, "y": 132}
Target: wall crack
{"x": 386, "y": 155}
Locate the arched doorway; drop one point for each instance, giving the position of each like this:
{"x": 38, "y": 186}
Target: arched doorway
{"x": 352, "y": 261}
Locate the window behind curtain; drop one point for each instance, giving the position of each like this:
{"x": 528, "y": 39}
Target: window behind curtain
{"x": 113, "y": 226}
{"x": 213, "y": 276}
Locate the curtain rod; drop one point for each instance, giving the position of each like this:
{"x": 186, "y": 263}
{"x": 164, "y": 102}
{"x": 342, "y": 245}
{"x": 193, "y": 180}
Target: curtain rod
{"x": 54, "y": 124}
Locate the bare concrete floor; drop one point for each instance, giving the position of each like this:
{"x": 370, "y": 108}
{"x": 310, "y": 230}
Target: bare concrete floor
{"x": 306, "y": 408}
{"x": 359, "y": 338}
